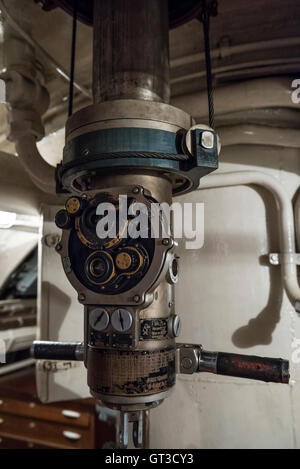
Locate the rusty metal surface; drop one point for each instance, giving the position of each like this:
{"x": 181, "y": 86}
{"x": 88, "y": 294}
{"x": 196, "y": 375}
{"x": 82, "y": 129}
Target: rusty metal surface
{"x": 275, "y": 370}
{"x": 131, "y": 373}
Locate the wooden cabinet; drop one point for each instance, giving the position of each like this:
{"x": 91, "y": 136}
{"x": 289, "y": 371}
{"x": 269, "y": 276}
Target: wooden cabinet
{"x": 27, "y": 423}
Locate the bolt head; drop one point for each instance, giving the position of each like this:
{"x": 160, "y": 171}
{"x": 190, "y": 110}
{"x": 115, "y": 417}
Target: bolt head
{"x": 51, "y": 240}
{"x": 136, "y": 298}
{"x": 189, "y": 359}
{"x": 176, "y": 326}
{"x": 274, "y": 259}
{"x": 207, "y": 139}
{"x": 81, "y": 297}
{"x": 136, "y": 190}
{"x": 166, "y": 242}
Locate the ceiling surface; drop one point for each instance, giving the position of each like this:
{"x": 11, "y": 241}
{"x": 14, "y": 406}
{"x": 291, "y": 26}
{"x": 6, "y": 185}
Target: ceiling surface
{"x": 248, "y": 40}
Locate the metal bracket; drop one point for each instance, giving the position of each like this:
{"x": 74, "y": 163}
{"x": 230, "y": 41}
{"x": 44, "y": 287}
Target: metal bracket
{"x": 285, "y": 258}
{"x": 187, "y": 358}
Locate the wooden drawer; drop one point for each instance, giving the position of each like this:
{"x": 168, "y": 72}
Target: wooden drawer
{"x": 12, "y": 443}
{"x": 46, "y": 433}
{"x": 47, "y": 412}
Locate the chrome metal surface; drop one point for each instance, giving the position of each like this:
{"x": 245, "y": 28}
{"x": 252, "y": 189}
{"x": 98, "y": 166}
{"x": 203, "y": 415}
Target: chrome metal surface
{"x": 131, "y": 50}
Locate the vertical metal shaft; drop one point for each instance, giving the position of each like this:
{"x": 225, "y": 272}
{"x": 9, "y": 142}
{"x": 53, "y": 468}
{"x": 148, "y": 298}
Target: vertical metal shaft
{"x": 131, "y": 50}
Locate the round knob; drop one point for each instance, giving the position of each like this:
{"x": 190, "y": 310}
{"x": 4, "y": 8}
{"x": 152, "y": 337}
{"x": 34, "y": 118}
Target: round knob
{"x": 123, "y": 260}
{"x": 176, "y": 326}
{"x": 74, "y": 205}
{"x": 99, "y": 267}
{"x": 63, "y": 220}
{"x": 121, "y": 320}
{"x": 99, "y": 319}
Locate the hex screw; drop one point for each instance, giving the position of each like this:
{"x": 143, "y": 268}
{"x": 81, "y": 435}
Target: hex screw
{"x": 274, "y": 259}
{"x": 166, "y": 242}
{"x": 136, "y": 298}
{"x": 81, "y": 297}
{"x": 51, "y": 240}
{"x": 135, "y": 190}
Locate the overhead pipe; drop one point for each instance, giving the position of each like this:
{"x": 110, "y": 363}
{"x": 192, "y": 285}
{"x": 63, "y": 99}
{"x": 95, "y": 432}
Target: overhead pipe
{"x": 243, "y": 96}
{"x": 28, "y": 99}
{"x": 251, "y": 134}
{"x": 286, "y": 220}
{"x": 61, "y": 71}
{"x": 41, "y": 173}
{"x": 229, "y": 50}
{"x": 297, "y": 218}
{"x": 245, "y": 69}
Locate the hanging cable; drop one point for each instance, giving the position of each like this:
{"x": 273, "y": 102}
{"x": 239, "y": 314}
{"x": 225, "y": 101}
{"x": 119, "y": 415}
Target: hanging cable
{"x": 73, "y": 54}
{"x": 209, "y": 9}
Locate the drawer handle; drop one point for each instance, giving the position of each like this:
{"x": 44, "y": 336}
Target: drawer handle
{"x": 71, "y": 414}
{"x": 71, "y": 435}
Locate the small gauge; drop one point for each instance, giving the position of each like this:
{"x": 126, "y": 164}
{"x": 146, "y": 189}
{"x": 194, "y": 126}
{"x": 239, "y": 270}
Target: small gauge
{"x": 121, "y": 320}
{"x": 74, "y": 205}
{"x": 99, "y": 319}
{"x": 62, "y": 220}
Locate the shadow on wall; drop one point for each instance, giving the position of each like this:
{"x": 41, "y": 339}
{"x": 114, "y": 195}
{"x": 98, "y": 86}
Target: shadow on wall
{"x": 59, "y": 306}
{"x": 259, "y": 330}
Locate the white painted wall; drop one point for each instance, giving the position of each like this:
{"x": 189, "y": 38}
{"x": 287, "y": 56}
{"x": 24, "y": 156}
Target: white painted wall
{"x": 230, "y": 302}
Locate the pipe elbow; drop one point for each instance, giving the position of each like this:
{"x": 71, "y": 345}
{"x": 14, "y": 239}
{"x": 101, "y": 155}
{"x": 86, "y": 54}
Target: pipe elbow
{"x": 41, "y": 173}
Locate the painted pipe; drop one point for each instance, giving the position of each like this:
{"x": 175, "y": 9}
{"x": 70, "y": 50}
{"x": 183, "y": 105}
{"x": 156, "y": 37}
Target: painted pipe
{"x": 246, "y": 95}
{"x": 286, "y": 220}
{"x": 250, "y": 134}
{"x": 232, "y": 50}
{"x": 297, "y": 219}
{"x": 41, "y": 173}
{"x": 61, "y": 71}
